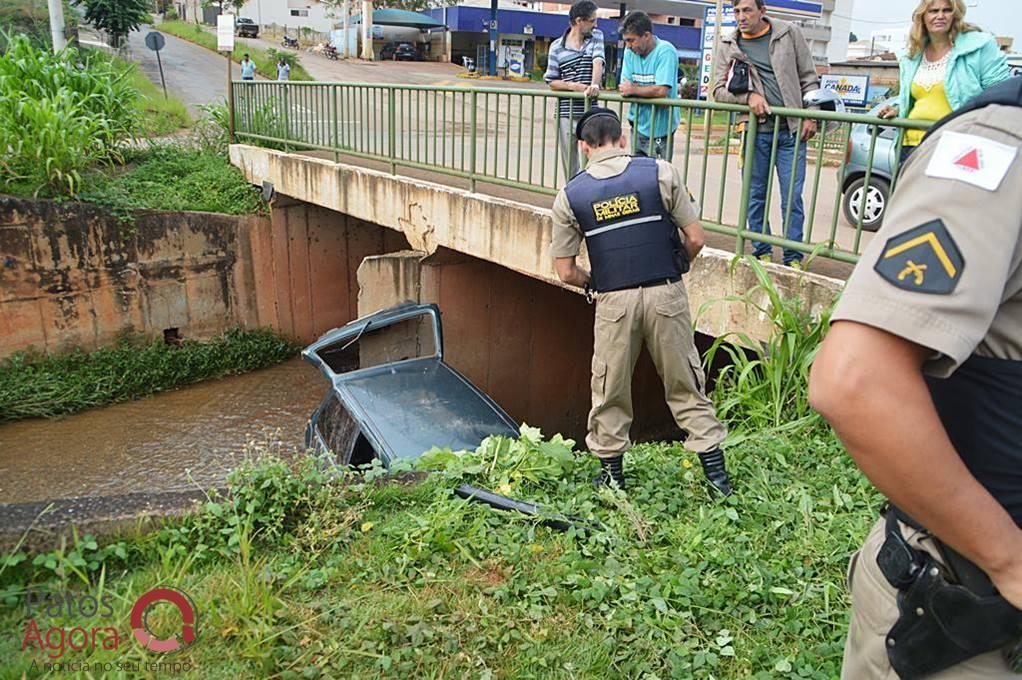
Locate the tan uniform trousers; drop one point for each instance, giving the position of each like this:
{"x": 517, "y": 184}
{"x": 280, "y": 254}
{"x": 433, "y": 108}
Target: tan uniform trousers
{"x": 875, "y": 609}
{"x": 658, "y": 316}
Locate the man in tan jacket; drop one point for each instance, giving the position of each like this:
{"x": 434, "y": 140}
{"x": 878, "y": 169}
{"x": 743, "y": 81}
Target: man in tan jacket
{"x": 780, "y": 71}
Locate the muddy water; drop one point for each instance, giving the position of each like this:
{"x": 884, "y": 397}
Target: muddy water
{"x": 170, "y": 442}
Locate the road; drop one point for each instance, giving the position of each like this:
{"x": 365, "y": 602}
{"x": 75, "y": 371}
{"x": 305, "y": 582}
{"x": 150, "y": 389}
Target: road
{"x": 194, "y": 74}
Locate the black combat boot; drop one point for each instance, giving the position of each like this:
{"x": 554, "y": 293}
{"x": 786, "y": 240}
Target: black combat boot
{"x": 716, "y": 474}
{"x": 612, "y": 472}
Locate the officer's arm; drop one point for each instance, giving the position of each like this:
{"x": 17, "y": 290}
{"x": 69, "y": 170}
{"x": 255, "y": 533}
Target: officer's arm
{"x": 888, "y": 423}
{"x": 695, "y": 238}
{"x": 566, "y": 240}
{"x": 569, "y": 272}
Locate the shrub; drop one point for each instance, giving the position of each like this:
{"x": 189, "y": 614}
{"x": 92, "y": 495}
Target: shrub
{"x": 59, "y": 113}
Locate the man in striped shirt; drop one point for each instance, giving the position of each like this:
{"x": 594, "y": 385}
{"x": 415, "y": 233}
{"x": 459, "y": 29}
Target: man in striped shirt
{"x": 575, "y": 64}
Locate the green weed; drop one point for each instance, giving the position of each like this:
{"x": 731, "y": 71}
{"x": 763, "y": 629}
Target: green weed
{"x": 59, "y": 114}
{"x": 766, "y": 385}
{"x": 35, "y": 386}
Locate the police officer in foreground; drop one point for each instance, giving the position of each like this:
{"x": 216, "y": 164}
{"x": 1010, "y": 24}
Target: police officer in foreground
{"x": 629, "y": 211}
{"x": 921, "y": 377}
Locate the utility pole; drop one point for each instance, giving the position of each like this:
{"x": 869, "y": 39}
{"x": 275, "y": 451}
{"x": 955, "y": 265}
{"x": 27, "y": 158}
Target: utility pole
{"x": 716, "y": 48}
{"x": 57, "y": 25}
{"x": 346, "y": 12}
{"x": 367, "y": 30}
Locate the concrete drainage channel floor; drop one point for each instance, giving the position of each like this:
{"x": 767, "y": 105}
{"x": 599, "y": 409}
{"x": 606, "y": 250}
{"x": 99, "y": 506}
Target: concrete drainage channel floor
{"x": 152, "y": 456}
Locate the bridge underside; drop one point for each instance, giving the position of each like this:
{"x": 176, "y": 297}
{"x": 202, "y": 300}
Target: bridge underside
{"x": 510, "y": 325}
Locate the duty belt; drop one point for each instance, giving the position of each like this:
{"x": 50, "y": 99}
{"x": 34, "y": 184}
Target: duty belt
{"x": 947, "y": 615}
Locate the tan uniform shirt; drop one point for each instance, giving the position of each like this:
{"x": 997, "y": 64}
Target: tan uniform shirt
{"x": 945, "y": 270}
{"x": 567, "y": 234}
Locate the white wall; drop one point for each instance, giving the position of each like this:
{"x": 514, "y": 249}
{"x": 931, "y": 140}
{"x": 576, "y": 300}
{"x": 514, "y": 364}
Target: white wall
{"x": 320, "y": 16}
{"x": 840, "y": 25}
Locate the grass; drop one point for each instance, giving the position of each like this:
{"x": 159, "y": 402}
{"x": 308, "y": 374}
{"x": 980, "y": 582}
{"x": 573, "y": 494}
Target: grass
{"x": 265, "y": 60}
{"x": 161, "y": 115}
{"x": 38, "y": 386}
{"x": 300, "y": 574}
{"x": 305, "y": 571}
{"x": 174, "y": 177}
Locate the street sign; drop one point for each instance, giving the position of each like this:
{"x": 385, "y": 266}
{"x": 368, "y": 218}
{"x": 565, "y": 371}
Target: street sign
{"x": 709, "y": 25}
{"x": 155, "y": 41}
{"x": 225, "y": 33}
{"x": 852, "y": 89}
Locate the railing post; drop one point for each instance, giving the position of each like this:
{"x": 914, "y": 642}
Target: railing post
{"x": 749, "y": 154}
{"x": 472, "y": 151}
{"x": 333, "y": 113}
{"x": 391, "y": 134}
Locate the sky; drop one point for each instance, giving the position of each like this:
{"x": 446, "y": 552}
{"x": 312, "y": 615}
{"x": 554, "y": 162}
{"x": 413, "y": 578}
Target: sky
{"x": 1001, "y": 17}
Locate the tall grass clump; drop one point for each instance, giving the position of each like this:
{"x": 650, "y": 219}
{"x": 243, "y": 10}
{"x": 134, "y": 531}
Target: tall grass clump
{"x": 60, "y": 113}
{"x": 766, "y": 385}
{"x": 40, "y": 386}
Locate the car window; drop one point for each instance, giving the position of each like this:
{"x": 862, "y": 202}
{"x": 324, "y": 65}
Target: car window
{"x": 337, "y": 428}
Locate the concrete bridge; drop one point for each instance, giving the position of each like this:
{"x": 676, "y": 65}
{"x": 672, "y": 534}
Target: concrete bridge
{"x": 442, "y": 195}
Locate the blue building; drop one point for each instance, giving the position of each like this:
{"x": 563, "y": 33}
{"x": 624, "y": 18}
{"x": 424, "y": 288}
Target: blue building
{"x": 526, "y": 34}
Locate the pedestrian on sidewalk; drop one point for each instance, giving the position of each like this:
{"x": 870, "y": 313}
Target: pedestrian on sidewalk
{"x": 575, "y": 64}
{"x": 650, "y": 71}
{"x": 248, "y": 68}
{"x": 766, "y": 62}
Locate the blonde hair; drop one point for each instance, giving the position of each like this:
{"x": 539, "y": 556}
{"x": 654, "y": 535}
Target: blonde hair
{"x": 918, "y": 38}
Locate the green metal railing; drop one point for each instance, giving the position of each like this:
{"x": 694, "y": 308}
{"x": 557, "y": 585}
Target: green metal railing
{"x": 509, "y": 137}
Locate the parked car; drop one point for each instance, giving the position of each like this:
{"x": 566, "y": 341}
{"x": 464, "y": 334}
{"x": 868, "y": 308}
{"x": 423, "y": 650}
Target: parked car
{"x": 246, "y": 28}
{"x": 399, "y": 51}
{"x": 854, "y": 180}
{"x": 391, "y": 394}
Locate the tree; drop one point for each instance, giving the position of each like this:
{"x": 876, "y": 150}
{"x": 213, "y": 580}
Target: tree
{"x": 116, "y": 17}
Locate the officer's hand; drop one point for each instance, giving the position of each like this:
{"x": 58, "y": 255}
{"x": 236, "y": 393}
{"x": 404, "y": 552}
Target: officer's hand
{"x": 626, "y": 88}
{"x": 808, "y": 129}
{"x": 887, "y": 112}
{"x": 758, "y": 104}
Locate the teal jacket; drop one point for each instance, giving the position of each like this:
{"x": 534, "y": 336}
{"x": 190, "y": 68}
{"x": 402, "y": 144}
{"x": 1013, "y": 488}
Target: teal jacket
{"x": 975, "y": 64}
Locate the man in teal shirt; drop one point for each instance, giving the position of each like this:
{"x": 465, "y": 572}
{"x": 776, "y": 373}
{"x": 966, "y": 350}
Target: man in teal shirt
{"x": 248, "y": 68}
{"x": 650, "y": 71}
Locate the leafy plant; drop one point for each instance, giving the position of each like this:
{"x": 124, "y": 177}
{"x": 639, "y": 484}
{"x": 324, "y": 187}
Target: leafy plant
{"x": 766, "y": 385}
{"x": 38, "y": 386}
{"x": 60, "y": 113}
{"x": 175, "y": 177}
{"x": 117, "y": 17}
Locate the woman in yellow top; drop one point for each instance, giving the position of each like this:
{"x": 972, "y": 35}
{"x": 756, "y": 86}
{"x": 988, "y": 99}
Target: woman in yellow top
{"x": 948, "y": 63}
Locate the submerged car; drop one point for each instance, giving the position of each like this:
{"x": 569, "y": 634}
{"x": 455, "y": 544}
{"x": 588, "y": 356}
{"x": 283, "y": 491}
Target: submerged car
{"x": 853, "y": 182}
{"x": 391, "y": 394}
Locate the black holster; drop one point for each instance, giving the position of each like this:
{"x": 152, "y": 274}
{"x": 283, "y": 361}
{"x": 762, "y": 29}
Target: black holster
{"x": 941, "y": 623}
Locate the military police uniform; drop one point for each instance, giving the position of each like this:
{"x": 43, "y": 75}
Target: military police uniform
{"x": 945, "y": 272}
{"x": 629, "y": 210}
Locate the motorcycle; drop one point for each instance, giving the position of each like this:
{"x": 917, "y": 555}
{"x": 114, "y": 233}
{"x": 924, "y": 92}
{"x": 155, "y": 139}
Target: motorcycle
{"x": 289, "y": 42}
{"x": 330, "y": 51}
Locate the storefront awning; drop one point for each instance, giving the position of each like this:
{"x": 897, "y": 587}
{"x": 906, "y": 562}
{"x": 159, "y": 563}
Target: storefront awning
{"x": 400, "y": 17}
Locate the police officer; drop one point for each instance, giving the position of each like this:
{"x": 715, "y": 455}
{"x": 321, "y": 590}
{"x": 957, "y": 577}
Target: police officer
{"x": 628, "y": 210}
{"x": 921, "y": 377}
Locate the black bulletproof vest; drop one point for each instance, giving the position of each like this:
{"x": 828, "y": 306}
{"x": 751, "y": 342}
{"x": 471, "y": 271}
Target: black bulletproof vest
{"x": 630, "y": 238}
{"x": 980, "y": 404}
